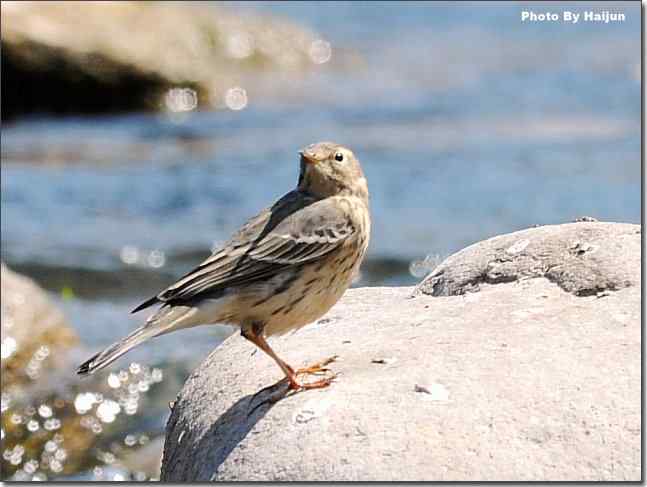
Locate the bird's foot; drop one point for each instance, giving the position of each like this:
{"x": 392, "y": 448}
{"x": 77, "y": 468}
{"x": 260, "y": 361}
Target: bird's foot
{"x": 318, "y": 384}
{"x": 317, "y": 369}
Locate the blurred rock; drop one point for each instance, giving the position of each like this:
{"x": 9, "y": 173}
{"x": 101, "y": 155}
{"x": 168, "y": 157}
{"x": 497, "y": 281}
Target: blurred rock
{"x": 36, "y": 341}
{"x": 531, "y": 376}
{"x": 52, "y": 423}
{"x": 31, "y": 326}
{"x": 111, "y": 56}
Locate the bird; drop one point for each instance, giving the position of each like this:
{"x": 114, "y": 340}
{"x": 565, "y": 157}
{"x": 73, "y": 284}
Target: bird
{"x": 284, "y": 268}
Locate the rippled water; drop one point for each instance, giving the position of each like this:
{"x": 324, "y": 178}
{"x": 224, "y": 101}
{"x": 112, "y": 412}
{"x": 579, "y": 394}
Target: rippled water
{"x": 468, "y": 124}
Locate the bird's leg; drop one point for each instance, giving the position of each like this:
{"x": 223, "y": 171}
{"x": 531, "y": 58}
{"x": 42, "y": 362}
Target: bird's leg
{"x": 255, "y": 335}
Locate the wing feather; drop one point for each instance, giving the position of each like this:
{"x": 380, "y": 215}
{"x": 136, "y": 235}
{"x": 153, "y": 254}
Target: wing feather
{"x": 296, "y": 230}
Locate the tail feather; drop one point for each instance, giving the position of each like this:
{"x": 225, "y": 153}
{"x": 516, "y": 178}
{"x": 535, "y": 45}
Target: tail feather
{"x": 166, "y": 319}
{"x": 116, "y": 350}
{"x": 146, "y": 304}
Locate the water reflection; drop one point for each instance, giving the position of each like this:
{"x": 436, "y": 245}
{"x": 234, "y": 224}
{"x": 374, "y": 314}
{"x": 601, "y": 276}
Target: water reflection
{"x": 49, "y": 434}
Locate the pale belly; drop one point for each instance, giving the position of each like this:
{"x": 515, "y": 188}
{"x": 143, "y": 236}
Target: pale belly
{"x": 310, "y": 295}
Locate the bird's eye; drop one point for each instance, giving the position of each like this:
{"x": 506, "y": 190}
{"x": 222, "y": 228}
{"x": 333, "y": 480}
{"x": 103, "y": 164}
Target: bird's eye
{"x": 339, "y": 156}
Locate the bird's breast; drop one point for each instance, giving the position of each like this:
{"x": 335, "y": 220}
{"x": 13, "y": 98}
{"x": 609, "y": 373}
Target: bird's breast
{"x": 317, "y": 288}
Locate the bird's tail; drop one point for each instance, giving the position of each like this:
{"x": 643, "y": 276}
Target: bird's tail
{"x": 165, "y": 320}
{"x": 116, "y": 350}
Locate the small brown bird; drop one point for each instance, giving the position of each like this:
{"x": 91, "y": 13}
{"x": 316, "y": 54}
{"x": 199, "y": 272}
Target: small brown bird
{"x": 283, "y": 269}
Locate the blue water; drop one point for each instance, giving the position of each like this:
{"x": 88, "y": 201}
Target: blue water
{"x": 468, "y": 124}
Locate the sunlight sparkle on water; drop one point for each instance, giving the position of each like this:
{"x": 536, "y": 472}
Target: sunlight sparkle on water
{"x": 181, "y": 100}
{"x": 113, "y": 381}
{"x": 156, "y": 258}
{"x": 320, "y": 51}
{"x": 8, "y": 347}
{"x": 52, "y": 424}
{"x": 108, "y": 410}
{"x": 44, "y": 411}
{"x": 84, "y": 402}
{"x": 50, "y": 446}
{"x": 236, "y": 98}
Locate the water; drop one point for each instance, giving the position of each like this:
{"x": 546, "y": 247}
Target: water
{"x": 468, "y": 124}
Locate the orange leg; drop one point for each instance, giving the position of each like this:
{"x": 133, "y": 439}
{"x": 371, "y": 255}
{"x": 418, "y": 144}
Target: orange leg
{"x": 256, "y": 337}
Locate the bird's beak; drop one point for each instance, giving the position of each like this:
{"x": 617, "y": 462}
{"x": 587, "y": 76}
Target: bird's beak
{"x": 307, "y": 157}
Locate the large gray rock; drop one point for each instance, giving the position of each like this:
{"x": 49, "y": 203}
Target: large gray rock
{"x": 582, "y": 258}
{"x": 526, "y": 379}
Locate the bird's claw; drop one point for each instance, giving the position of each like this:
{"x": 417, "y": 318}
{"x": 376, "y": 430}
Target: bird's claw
{"x": 318, "y": 368}
{"x": 318, "y": 384}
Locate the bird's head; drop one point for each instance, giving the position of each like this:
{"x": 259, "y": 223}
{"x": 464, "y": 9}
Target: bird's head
{"x": 329, "y": 169}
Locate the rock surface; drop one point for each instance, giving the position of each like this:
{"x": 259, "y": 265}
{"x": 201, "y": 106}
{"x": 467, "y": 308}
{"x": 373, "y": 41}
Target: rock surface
{"x": 534, "y": 375}
{"x": 582, "y": 258}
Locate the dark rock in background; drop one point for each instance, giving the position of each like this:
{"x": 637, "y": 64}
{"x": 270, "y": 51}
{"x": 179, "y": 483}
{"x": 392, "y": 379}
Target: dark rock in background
{"x": 96, "y": 57}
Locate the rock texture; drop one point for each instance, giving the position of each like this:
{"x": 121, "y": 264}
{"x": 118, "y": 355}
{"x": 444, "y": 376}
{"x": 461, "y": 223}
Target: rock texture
{"x": 533, "y": 375}
{"x": 583, "y": 258}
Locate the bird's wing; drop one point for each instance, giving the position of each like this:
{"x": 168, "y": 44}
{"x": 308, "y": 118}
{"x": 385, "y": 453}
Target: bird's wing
{"x": 296, "y": 230}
